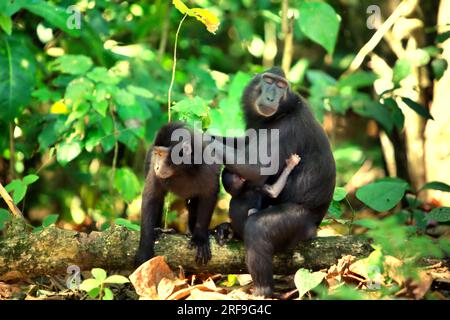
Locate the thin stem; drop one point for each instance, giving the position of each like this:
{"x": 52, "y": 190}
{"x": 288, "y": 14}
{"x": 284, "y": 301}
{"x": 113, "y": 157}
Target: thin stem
{"x": 169, "y": 96}
{"x": 9, "y": 201}
{"x": 116, "y": 148}
{"x": 353, "y": 216}
{"x": 12, "y": 151}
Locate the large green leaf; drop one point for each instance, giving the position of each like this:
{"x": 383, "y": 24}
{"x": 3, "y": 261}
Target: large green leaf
{"x": 6, "y": 23}
{"x": 382, "y": 195}
{"x": 17, "y": 76}
{"x": 54, "y": 15}
{"x": 73, "y": 64}
{"x": 319, "y": 22}
{"x": 358, "y": 79}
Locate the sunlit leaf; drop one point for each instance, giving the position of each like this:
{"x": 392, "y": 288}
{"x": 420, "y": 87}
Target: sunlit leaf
{"x": 339, "y": 194}
{"x": 180, "y": 6}
{"x": 107, "y": 294}
{"x": 29, "y": 179}
{"x": 118, "y": 279}
{"x": 67, "y": 151}
{"x": 208, "y": 18}
{"x": 324, "y": 32}
{"x": 306, "y": 280}
{"x": 50, "y": 219}
{"x": 6, "y": 23}
{"x": 72, "y": 64}
{"x": 89, "y": 284}
{"x": 99, "y": 274}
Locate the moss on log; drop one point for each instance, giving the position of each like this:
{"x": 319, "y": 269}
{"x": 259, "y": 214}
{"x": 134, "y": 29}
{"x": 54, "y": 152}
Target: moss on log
{"x": 52, "y": 250}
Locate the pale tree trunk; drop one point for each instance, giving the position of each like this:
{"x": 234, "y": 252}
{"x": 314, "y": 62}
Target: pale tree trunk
{"x": 437, "y": 132}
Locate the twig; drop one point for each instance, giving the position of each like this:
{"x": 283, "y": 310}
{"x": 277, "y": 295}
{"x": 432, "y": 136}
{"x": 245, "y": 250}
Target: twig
{"x": 9, "y": 201}
{"x": 174, "y": 67}
{"x": 377, "y": 36}
{"x": 164, "y": 33}
{"x": 287, "y": 26}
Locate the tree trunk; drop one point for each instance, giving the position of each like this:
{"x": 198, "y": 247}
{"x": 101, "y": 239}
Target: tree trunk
{"x": 437, "y": 132}
{"x": 51, "y": 251}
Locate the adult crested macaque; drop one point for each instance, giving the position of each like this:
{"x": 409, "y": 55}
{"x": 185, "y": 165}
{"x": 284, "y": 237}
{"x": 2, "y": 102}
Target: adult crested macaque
{"x": 294, "y": 215}
{"x": 198, "y": 184}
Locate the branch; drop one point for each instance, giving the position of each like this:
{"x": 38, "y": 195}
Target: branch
{"x": 9, "y": 201}
{"x": 52, "y": 250}
{"x": 401, "y": 10}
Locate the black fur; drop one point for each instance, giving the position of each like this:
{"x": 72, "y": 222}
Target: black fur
{"x": 297, "y": 212}
{"x": 198, "y": 184}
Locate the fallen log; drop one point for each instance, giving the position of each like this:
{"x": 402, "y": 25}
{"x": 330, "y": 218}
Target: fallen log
{"x": 24, "y": 254}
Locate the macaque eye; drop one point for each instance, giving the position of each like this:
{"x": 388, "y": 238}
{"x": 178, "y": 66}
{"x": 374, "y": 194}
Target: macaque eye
{"x": 282, "y": 84}
{"x": 268, "y": 80}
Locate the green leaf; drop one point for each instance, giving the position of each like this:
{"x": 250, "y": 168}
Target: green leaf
{"x": 107, "y": 294}
{"x": 99, "y": 274}
{"x": 421, "y": 110}
{"x": 359, "y": 79}
{"x": 441, "y": 214}
{"x": 67, "y": 151}
{"x": 101, "y": 107}
{"x": 54, "y": 15}
{"x": 72, "y": 64}
{"x": 18, "y": 188}
{"x": 436, "y": 185}
{"x": 335, "y": 210}
{"x": 49, "y": 220}
{"x": 29, "y": 179}
{"x": 324, "y": 32}
{"x": 4, "y": 217}
{"x": 439, "y": 66}
{"x": 382, "y": 195}
{"x": 127, "y": 224}
{"x": 402, "y": 69}
{"x": 381, "y": 114}
{"x": 6, "y": 24}
{"x": 94, "y": 292}
{"x": 339, "y": 194}
{"x": 305, "y": 280}
{"x": 443, "y": 37}
{"x": 118, "y": 279}
{"x": 127, "y": 184}
{"x": 89, "y": 284}
{"x": 139, "y": 91}
{"x": 17, "y": 76}
{"x": 101, "y": 74}
{"x": 397, "y": 116}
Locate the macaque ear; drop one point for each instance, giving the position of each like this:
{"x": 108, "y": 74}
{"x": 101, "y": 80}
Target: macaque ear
{"x": 187, "y": 149}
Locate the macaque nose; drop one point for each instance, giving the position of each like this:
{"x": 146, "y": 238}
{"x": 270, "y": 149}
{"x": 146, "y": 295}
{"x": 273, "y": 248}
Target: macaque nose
{"x": 270, "y": 99}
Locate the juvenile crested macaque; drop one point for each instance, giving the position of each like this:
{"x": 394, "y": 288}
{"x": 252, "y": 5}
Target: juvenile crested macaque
{"x": 235, "y": 185}
{"x": 198, "y": 184}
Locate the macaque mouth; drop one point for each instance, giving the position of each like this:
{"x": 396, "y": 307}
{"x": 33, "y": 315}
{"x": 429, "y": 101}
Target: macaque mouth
{"x": 267, "y": 110}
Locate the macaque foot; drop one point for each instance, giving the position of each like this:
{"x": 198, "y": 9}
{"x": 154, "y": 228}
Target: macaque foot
{"x": 223, "y": 233}
{"x": 293, "y": 160}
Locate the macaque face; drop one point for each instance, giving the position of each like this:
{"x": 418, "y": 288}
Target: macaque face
{"x": 162, "y": 164}
{"x": 273, "y": 89}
